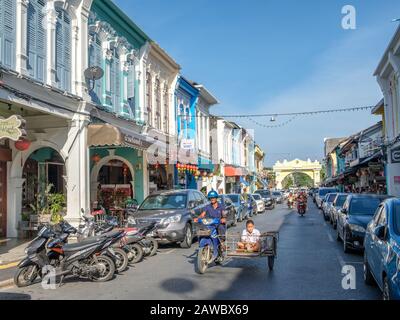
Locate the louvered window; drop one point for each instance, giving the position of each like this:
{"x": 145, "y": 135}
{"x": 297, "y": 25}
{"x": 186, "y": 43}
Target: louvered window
{"x": 36, "y": 40}
{"x": 63, "y": 50}
{"x": 96, "y": 60}
{"x": 7, "y": 33}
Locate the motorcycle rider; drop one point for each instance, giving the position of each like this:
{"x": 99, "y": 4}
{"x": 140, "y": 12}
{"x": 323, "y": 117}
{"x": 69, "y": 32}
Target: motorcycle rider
{"x": 290, "y": 199}
{"x": 215, "y": 210}
{"x": 302, "y": 198}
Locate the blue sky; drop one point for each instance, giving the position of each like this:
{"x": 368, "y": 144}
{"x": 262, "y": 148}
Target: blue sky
{"x": 267, "y": 56}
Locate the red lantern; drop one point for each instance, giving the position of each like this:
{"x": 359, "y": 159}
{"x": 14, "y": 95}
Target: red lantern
{"x": 22, "y": 144}
{"x": 96, "y": 158}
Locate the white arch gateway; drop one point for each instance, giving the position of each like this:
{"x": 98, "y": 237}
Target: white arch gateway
{"x": 285, "y": 168}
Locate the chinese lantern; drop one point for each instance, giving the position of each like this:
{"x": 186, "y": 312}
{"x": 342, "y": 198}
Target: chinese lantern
{"x": 22, "y": 144}
{"x": 96, "y": 158}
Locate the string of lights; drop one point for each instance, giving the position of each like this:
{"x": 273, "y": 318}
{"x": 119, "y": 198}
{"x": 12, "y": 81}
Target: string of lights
{"x": 272, "y": 126}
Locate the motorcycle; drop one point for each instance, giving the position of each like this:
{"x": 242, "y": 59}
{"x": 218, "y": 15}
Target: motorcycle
{"x": 119, "y": 251}
{"x": 301, "y": 207}
{"x": 209, "y": 244}
{"x": 290, "y": 203}
{"x": 80, "y": 259}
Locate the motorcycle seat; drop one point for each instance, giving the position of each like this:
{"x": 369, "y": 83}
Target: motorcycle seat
{"x": 81, "y": 245}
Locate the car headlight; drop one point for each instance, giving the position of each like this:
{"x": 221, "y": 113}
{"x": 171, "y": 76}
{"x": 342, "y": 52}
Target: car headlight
{"x": 172, "y": 219}
{"x": 357, "y": 228}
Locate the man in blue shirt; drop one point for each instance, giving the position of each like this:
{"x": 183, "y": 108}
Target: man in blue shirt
{"x": 215, "y": 210}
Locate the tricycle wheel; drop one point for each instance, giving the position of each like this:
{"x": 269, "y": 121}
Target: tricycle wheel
{"x": 271, "y": 261}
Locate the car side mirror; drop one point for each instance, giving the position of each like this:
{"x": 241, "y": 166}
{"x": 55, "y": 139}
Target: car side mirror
{"x": 379, "y": 232}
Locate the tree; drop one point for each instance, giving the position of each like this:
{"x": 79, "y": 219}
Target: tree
{"x": 288, "y": 182}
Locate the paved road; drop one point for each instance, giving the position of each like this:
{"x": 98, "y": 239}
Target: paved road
{"x": 309, "y": 266}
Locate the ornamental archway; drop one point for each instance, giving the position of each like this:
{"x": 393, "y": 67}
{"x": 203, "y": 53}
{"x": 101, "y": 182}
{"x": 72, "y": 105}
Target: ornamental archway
{"x": 286, "y": 168}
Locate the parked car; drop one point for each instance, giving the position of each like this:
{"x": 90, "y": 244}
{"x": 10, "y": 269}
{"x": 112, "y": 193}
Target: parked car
{"x": 322, "y": 192}
{"x": 277, "y": 196}
{"x": 230, "y": 209}
{"x": 327, "y": 204}
{"x": 336, "y": 206}
{"x": 267, "y": 197}
{"x": 252, "y": 205}
{"x": 242, "y": 209}
{"x": 174, "y": 210}
{"x": 260, "y": 203}
{"x": 382, "y": 250}
{"x": 314, "y": 194}
{"x": 358, "y": 210}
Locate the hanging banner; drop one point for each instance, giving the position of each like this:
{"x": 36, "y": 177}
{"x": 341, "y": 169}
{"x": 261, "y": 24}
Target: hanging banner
{"x": 11, "y": 128}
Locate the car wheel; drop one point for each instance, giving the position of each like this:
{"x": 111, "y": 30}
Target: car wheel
{"x": 338, "y": 235}
{"x": 386, "y": 289}
{"x": 368, "y": 278}
{"x": 187, "y": 241}
{"x": 346, "y": 248}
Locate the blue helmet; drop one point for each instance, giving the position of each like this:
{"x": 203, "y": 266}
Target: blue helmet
{"x": 212, "y": 194}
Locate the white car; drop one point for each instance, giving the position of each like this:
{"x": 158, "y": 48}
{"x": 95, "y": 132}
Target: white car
{"x": 260, "y": 203}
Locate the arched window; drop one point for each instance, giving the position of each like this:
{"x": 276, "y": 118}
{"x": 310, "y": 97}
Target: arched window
{"x": 36, "y": 40}
{"x": 7, "y": 33}
{"x": 157, "y": 93}
{"x": 148, "y": 98}
{"x": 96, "y": 59}
{"x": 166, "y": 109}
{"x": 63, "y": 50}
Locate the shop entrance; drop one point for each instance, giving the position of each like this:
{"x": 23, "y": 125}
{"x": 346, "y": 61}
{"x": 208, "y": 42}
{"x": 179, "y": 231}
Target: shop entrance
{"x": 114, "y": 184}
{"x": 3, "y": 199}
{"x": 43, "y": 173}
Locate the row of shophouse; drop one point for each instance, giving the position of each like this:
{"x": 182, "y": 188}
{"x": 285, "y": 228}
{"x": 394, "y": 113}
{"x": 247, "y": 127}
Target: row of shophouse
{"x": 369, "y": 161}
{"x": 95, "y": 110}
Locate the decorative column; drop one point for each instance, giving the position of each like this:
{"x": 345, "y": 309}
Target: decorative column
{"x": 14, "y": 204}
{"x": 21, "y": 50}
{"x": 51, "y": 22}
{"x": 77, "y": 167}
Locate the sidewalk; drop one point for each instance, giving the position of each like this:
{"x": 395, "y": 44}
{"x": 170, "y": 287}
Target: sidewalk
{"x": 11, "y": 251}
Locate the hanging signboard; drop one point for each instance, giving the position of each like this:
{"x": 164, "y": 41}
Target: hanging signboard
{"x": 187, "y": 144}
{"x": 12, "y": 128}
{"x": 395, "y": 155}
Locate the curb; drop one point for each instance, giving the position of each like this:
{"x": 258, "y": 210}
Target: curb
{"x": 7, "y": 283}
{"x": 9, "y": 264}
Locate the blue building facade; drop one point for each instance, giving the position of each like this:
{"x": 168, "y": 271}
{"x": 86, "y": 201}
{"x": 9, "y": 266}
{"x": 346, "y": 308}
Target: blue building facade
{"x": 186, "y": 97}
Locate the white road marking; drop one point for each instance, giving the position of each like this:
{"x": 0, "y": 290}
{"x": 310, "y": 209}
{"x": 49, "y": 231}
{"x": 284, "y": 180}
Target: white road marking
{"x": 168, "y": 252}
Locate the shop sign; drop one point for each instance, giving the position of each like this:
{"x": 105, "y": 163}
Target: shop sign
{"x": 136, "y": 142}
{"x": 10, "y": 128}
{"x": 187, "y": 144}
{"x": 395, "y": 155}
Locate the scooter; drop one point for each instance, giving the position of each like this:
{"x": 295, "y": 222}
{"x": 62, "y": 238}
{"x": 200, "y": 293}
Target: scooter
{"x": 301, "y": 208}
{"x": 290, "y": 203}
{"x": 209, "y": 244}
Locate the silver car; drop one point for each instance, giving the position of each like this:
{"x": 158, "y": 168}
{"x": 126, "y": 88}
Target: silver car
{"x": 174, "y": 212}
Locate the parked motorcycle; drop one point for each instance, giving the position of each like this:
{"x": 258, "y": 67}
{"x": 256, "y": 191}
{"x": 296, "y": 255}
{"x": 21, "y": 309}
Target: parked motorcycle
{"x": 81, "y": 259}
{"x": 119, "y": 251}
{"x": 209, "y": 244}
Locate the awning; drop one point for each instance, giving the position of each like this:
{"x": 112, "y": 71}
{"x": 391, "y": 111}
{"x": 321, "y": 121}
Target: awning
{"x": 232, "y": 171}
{"x": 104, "y": 135}
{"x": 205, "y": 164}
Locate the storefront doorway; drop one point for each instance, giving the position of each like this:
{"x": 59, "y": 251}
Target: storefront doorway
{"x": 43, "y": 175}
{"x": 114, "y": 184}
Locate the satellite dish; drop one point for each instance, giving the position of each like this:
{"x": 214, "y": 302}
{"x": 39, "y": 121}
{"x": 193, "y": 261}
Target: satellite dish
{"x": 94, "y": 73}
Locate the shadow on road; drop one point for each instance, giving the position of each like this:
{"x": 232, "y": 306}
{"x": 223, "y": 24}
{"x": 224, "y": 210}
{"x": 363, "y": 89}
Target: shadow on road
{"x": 14, "y": 296}
{"x": 178, "y": 285}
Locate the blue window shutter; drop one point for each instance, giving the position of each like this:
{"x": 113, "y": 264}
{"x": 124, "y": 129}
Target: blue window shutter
{"x": 36, "y": 40}
{"x": 131, "y": 91}
{"x": 117, "y": 93}
{"x": 63, "y": 50}
{"x": 99, "y": 63}
{"x": 7, "y": 32}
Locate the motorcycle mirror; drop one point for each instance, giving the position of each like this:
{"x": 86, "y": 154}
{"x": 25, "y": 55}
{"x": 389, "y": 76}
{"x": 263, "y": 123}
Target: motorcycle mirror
{"x": 83, "y": 211}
